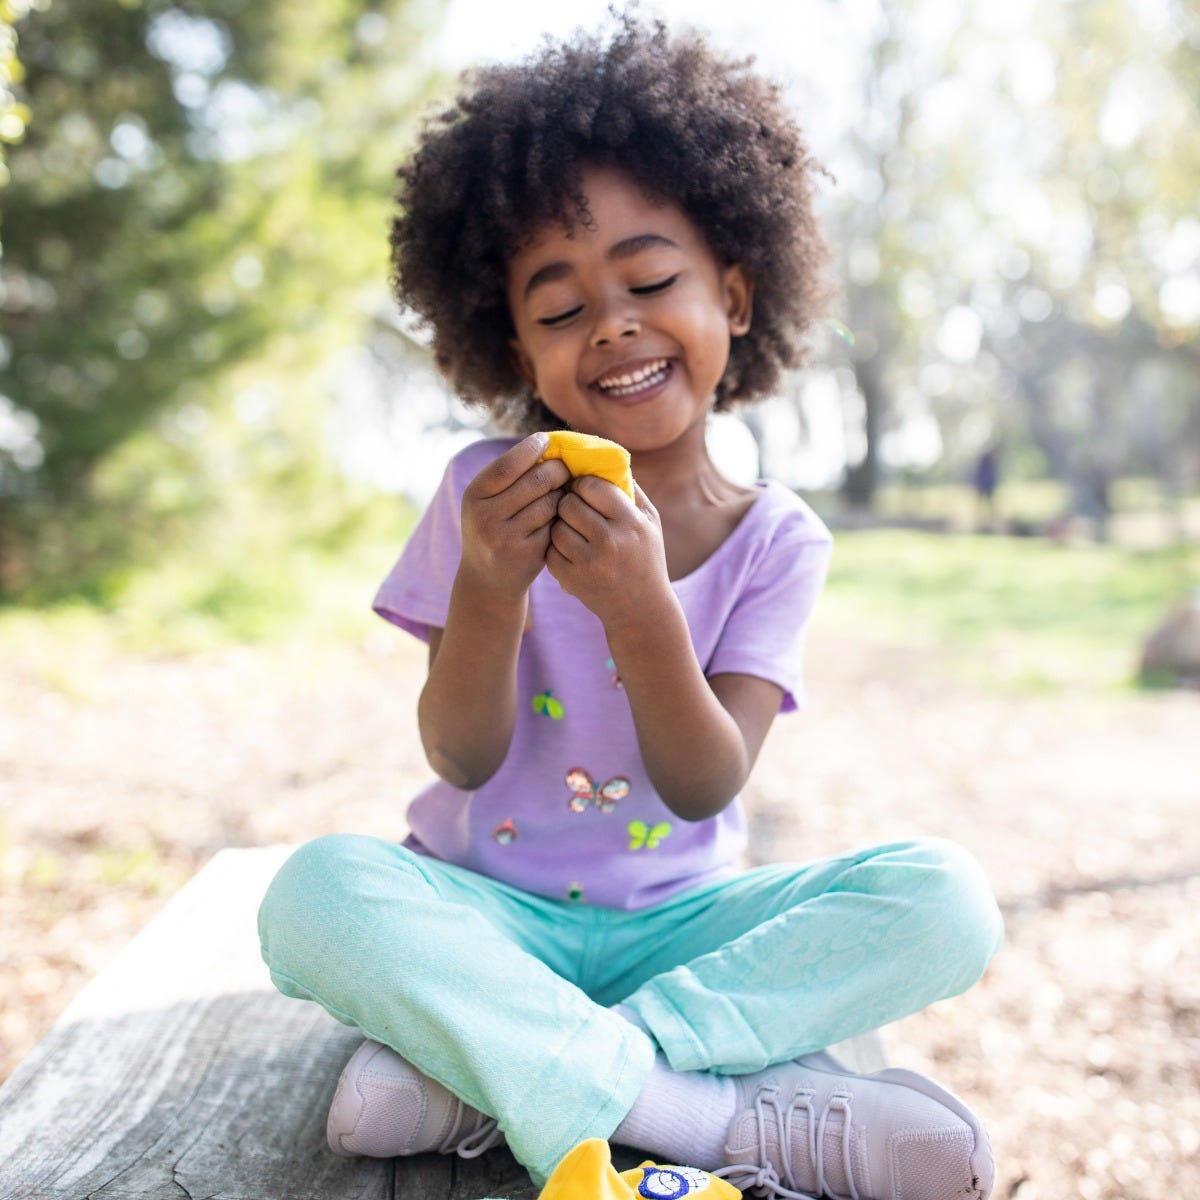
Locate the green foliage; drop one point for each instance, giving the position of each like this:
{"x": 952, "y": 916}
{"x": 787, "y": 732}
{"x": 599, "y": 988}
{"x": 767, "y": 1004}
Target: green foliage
{"x": 275, "y": 576}
{"x": 14, "y": 115}
{"x": 1011, "y": 612}
{"x": 1025, "y": 268}
{"x": 195, "y": 221}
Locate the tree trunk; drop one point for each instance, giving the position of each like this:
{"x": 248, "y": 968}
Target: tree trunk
{"x": 862, "y": 479}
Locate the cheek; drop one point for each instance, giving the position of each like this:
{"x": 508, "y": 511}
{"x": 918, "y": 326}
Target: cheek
{"x": 555, "y": 367}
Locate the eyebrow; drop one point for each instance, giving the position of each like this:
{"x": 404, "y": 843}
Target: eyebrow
{"x": 626, "y": 248}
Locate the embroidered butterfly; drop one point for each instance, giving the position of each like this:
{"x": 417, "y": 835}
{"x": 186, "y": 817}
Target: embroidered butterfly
{"x": 641, "y": 834}
{"x": 584, "y": 791}
{"x": 545, "y": 703}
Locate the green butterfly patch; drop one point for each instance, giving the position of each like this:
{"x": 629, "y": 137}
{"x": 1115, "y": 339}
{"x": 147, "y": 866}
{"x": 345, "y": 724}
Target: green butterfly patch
{"x": 640, "y": 834}
{"x": 546, "y": 704}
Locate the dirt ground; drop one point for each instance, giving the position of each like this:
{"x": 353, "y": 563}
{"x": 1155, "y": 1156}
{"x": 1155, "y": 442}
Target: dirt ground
{"x": 119, "y": 776}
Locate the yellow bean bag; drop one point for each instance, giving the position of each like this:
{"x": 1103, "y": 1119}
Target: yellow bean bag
{"x": 587, "y": 1173}
{"x": 586, "y": 454}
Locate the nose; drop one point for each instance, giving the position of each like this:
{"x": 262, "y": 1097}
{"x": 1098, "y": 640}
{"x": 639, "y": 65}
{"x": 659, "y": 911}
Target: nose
{"x": 615, "y": 322}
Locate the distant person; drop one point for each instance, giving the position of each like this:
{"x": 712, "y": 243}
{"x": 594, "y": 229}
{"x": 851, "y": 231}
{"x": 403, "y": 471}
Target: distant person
{"x": 985, "y": 478}
{"x": 614, "y": 237}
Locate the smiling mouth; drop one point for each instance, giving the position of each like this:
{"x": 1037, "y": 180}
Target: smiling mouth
{"x": 629, "y": 383}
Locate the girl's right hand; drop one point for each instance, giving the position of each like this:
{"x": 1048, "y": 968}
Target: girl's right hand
{"x": 507, "y": 511}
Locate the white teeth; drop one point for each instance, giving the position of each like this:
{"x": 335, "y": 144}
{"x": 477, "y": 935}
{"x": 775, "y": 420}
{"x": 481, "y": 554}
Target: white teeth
{"x": 633, "y": 380}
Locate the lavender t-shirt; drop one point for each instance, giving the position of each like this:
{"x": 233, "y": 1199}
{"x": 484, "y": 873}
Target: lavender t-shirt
{"x": 571, "y": 813}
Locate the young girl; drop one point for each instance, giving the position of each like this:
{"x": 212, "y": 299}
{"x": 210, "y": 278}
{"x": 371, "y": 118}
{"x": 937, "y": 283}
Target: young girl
{"x": 615, "y": 237}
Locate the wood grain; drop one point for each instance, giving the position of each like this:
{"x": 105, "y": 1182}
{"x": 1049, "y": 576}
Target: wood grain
{"x": 179, "y": 1071}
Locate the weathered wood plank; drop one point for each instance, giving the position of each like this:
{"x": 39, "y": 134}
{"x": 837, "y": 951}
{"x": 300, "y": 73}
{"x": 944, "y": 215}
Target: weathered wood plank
{"x": 180, "y": 1071}
{"x": 498, "y": 1176}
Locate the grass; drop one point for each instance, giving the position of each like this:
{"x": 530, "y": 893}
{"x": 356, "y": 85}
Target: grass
{"x": 1019, "y": 613}
{"x": 1144, "y": 516}
{"x": 1010, "y": 613}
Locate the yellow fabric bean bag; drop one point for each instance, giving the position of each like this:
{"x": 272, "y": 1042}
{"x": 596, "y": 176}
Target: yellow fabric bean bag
{"x": 586, "y": 454}
{"x": 587, "y": 1173}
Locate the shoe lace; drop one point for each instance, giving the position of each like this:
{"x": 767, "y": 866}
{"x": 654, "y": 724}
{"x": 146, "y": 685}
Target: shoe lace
{"x": 483, "y": 1134}
{"x": 779, "y": 1180}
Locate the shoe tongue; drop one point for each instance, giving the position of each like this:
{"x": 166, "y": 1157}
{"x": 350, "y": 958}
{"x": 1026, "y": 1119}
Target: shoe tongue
{"x": 446, "y": 1126}
{"x": 743, "y": 1147}
{"x": 833, "y": 1181}
{"x": 833, "y": 1152}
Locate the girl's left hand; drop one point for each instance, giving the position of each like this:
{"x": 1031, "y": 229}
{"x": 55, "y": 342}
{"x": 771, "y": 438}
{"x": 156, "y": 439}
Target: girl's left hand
{"x": 608, "y": 552}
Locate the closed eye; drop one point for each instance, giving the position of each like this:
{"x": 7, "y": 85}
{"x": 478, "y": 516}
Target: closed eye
{"x": 650, "y": 288}
{"x": 560, "y": 317}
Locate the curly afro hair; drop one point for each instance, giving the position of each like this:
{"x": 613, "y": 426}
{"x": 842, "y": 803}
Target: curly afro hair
{"x": 690, "y": 126}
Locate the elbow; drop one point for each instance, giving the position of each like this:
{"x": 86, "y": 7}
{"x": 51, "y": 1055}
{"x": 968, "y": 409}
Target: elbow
{"x": 695, "y": 810}
{"x": 467, "y": 777}
{"x": 703, "y": 799}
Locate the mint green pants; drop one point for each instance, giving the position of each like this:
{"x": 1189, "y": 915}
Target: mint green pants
{"x": 503, "y": 996}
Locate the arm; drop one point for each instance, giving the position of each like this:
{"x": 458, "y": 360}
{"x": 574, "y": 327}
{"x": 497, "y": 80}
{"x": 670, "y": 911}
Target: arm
{"x": 468, "y": 705}
{"x": 699, "y": 738}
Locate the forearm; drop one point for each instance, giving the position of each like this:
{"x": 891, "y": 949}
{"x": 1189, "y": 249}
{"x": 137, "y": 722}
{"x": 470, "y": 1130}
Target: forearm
{"x": 693, "y": 749}
{"x": 468, "y": 705}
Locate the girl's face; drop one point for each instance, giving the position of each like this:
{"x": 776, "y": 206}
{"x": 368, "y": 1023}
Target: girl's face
{"x": 623, "y": 328}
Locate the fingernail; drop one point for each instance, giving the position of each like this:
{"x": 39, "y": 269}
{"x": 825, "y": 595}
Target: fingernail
{"x": 539, "y": 441}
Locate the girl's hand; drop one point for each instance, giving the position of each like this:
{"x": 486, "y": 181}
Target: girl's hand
{"x": 608, "y": 552}
{"x": 507, "y": 512}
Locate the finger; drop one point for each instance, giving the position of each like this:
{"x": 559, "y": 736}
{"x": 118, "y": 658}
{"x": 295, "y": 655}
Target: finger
{"x": 643, "y": 502}
{"x": 514, "y": 463}
{"x": 558, "y": 567}
{"x": 576, "y": 512}
{"x": 567, "y": 541}
{"x": 537, "y": 514}
{"x": 605, "y": 497}
{"x": 539, "y": 480}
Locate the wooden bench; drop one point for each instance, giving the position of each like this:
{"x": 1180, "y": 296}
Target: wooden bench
{"x": 180, "y": 1072}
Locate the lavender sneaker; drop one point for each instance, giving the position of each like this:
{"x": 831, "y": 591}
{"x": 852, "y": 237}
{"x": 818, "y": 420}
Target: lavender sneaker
{"x": 811, "y": 1128}
{"x": 384, "y": 1107}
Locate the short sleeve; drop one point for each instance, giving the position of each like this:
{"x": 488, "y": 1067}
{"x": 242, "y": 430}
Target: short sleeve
{"x": 765, "y": 632}
{"x": 416, "y": 593}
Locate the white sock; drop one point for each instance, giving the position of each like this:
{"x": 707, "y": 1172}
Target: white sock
{"x": 681, "y": 1116}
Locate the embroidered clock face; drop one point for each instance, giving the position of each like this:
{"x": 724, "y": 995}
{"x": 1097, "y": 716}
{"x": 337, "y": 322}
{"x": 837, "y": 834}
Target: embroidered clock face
{"x": 672, "y": 1183}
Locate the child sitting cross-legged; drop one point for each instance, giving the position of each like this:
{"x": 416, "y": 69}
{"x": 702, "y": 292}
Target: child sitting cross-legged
{"x": 616, "y": 237}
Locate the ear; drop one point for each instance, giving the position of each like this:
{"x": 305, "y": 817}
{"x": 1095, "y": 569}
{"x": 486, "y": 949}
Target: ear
{"x": 739, "y": 299}
{"x": 522, "y": 362}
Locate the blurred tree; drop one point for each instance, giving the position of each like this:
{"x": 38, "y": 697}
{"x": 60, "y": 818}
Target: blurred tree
{"x": 13, "y": 114}
{"x": 1109, "y": 302}
{"x": 899, "y": 68}
{"x": 1019, "y": 238}
{"x": 196, "y": 211}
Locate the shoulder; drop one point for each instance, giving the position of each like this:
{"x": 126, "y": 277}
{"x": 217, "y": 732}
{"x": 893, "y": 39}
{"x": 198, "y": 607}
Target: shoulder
{"x": 471, "y": 459}
{"x": 779, "y": 516}
{"x": 475, "y": 456}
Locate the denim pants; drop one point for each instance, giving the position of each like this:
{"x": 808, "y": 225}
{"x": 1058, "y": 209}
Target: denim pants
{"x": 504, "y": 997}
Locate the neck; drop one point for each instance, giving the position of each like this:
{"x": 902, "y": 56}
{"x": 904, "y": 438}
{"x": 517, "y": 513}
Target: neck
{"x": 676, "y": 479}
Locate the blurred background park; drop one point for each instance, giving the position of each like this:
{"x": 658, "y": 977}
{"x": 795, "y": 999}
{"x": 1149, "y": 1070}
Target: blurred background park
{"x": 216, "y": 430}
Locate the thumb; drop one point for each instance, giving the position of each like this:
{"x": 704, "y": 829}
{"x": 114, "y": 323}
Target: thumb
{"x": 642, "y": 502}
